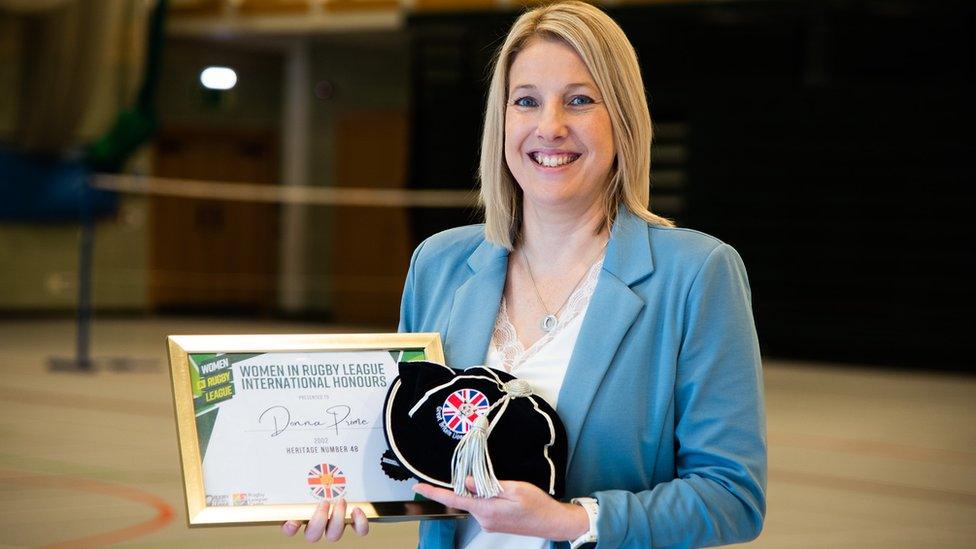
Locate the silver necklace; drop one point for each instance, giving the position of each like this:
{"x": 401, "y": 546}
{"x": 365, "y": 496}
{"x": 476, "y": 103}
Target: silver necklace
{"x": 550, "y": 321}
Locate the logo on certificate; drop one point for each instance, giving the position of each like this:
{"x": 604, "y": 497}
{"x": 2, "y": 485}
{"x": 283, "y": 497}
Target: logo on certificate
{"x": 218, "y": 500}
{"x": 326, "y": 481}
{"x": 460, "y": 410}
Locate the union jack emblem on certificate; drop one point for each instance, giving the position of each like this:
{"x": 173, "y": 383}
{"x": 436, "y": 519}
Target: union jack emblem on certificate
{"x": 461, "y": 409}
{"x": 326, "y": 481}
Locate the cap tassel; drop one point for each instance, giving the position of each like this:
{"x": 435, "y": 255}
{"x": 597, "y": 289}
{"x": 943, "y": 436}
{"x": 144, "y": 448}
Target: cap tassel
{"x": 471, "y": 454}
{"x": 471, "y": 458}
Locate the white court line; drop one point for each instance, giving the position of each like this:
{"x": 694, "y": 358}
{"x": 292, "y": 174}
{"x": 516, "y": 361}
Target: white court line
{"x": 288, "y": 194}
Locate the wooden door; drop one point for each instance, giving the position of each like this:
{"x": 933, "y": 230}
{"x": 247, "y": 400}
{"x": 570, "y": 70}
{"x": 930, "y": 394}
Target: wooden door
{"x": 370, "y": 246}
{"x": 214, "y": 255}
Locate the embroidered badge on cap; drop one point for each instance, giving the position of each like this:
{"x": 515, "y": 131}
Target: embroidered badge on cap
{"x": 460, "y": 410}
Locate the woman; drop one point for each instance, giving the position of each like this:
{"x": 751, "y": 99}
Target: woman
{"x": 640, "y": 334}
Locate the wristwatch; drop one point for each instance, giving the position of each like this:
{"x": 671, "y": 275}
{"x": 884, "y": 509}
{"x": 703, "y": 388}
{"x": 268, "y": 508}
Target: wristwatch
{"x": 592, "y": 508}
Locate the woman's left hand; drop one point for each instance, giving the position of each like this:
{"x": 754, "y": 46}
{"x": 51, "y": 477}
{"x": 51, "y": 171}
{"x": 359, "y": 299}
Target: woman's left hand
{"x": 521, "y": 508}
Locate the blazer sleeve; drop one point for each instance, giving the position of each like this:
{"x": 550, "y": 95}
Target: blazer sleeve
{"x": 408, "y": 305}
{"x": 718, "y": 494}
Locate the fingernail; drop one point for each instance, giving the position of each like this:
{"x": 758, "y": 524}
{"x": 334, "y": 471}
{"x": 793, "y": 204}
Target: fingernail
{"x": 315, "y": 526}
{"x": 360, "y": 523}
{"x": 337, "y": 505}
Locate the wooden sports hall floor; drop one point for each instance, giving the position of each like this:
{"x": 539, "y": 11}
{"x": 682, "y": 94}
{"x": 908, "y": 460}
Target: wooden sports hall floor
{"x": 858, "y": 457}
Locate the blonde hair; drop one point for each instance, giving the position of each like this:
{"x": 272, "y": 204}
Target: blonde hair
{"x": 612, "y": 62}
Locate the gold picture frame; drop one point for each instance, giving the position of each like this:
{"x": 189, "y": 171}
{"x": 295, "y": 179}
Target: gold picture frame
{"x": 185, "y": 350}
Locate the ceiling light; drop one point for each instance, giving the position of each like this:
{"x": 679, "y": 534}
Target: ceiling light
{"x": 218, "y": 78}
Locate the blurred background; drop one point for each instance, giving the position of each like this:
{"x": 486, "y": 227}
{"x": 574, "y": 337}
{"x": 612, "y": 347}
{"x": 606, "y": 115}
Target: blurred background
{"x": 256, "y": 166}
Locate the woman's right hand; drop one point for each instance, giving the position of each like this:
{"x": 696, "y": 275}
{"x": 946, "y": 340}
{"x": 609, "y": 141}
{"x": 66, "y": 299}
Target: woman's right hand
{"x": 332, "y": 527}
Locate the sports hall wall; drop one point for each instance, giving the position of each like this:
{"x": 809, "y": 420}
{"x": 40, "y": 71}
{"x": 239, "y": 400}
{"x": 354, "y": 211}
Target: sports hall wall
{"x": 829, "y": 142}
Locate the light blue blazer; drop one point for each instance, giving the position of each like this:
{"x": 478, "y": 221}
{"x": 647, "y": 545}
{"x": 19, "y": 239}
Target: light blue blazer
{"x": 662, "y": 401}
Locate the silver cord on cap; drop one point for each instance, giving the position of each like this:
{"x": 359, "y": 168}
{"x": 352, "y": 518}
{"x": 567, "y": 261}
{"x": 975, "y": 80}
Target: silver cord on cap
{"x": 471, "y": 454}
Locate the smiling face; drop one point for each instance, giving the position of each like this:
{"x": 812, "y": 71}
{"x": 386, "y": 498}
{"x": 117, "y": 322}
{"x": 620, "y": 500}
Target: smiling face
{"x": 558, "y": 137}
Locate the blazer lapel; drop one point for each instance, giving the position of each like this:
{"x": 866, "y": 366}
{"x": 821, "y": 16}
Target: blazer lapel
{"x": 612, "y": 310}
{"x": 475, "y": 307}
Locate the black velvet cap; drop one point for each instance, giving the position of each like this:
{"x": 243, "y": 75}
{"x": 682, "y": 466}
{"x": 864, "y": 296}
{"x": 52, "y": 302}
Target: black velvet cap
{"x": 430, "y": 408}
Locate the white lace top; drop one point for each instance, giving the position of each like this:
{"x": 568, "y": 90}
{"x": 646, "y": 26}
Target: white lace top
{"x": 543, "y": 366}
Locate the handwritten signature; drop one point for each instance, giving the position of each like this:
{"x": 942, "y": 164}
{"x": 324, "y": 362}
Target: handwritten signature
{"x": 280, "y": 419}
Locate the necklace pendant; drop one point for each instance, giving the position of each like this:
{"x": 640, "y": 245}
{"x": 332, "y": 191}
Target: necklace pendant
{"x": 549, "y": 323}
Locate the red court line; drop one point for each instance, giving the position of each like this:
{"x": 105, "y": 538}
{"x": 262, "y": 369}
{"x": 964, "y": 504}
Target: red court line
{"x": 164, "y": 513}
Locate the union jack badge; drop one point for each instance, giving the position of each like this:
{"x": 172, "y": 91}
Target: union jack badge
{"x": 460, "y": 410}
{"x": 326, "y": 481}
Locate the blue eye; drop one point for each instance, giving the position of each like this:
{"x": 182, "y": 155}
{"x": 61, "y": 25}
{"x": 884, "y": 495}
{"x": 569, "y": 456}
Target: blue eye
{"x": 525, "y": 102}
{"x": 580, "y": 100}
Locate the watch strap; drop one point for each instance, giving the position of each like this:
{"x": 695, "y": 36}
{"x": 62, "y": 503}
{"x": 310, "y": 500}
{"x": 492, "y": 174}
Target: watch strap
{"x": 592, "y": 508}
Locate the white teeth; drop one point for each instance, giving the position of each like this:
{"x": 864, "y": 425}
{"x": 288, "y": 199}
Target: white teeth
{"x": 554, "y": 160}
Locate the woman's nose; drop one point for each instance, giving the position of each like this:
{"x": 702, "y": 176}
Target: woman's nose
{"x": 552, "y": 123}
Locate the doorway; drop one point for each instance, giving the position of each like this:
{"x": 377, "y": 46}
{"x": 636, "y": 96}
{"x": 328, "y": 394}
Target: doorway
{"x": 214, "y": 256}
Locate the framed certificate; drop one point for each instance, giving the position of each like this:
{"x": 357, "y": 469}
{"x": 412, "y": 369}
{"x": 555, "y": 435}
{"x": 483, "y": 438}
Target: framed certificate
{"x": 269, "y": 425}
